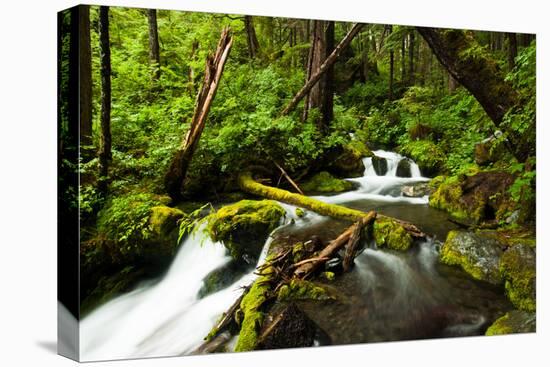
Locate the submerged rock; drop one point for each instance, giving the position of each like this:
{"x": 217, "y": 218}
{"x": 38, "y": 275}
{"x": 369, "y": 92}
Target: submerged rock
{"x": 514, "y": 322}
{"x": 416, "y": 190}
{"x": 389, "y": 233}
{"x": 323, "y": 182}
{"x": 477, "y": 254}
{"x": 291, "y": 328}
{"x": 380, "y": 165}
{"x": 242, "y": 227}
{"x": 222, "y": 277}
{"x": 518, "y": 269}
{"x": 404, "y": 168}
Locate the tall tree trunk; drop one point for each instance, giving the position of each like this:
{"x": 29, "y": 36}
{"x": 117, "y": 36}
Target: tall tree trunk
{"x": 451, "y": 83}
{"x": 391, "y": 68}
{"x": 320, "y": 96}
{"x": 512, "y": 50}
{"x": 154, "y": 48}
{"x": 403, "y": 67}
{"x": 104, "y": 153}
{"x": 85, "y": 81}
{"x": 175, "y": 177}
{"x": 482, "y": 77}
{"x": 251, "y": 39}
{"x": 322, "y": 69}
{"x": 411, "y": 57}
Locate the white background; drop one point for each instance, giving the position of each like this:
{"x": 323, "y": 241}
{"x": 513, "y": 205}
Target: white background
{"x": 28, "y": 181}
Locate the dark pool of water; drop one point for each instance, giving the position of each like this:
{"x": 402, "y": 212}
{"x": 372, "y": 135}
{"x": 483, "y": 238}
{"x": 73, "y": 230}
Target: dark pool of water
{"x": 392, "y": 295}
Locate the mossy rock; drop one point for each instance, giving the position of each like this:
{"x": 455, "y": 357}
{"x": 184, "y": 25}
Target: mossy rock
{"x": 514, "y": 322}
{"x": 518, "y": 269}
{"x": 302, "y": 290}
{"x": 388, "y": 233}
{"x": 243, "y": 227}
{"x": 348, "y": 160}
{"x": 476, "y": 254}
{"x": 481, "y": 196}
{"x": 323, "y": 183}
{"x": 427, "y": 155}
{"x": 380, "y": 165}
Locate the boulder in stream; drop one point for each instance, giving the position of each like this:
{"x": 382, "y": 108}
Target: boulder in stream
{"x": 514, "y": 322}
{"x": 389, "y": 233}
{"x": 404, "y": 168}
{"x": 380, "y": 165}
{"x": 518, "y": 269}
{"x": 242, "y": 227}
{"x": 323, "y": 183}
{"x": 416, "y": 190}
{"x": 477, "y": 254}
{"x": 291, "y": 328}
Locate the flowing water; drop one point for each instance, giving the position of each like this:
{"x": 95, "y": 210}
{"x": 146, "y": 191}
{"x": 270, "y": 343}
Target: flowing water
{"x": 388, "y": 295}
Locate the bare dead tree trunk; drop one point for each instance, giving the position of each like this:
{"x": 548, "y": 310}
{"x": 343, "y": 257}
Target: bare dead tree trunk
{"x": 175, "y": 177}
{"x": 154, "y": 48}
{"x": 252, "y": 40}
{"x": 104, "y": 153}
{"x": 85, "y": 81}
{"x": 483, "y": 78}
{"x": 322, "y": 69}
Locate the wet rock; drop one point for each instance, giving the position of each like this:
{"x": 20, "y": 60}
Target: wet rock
{"x": 324, "y": 182}
{"x": 243, "y": 226}
{"x": 389, "y": 233}
{"x": 404, "y": 168}
{"x": 477, "y": 254}
{"x": 222, "y": 277}
{"x": 514, "y": 322}
{"x": 346, "y": 161}
{"x": 518, "y": 269}
{"x": 380, "y": 165}
{"x": 475, "y": 198}
{"x": 302, "y": 290}
{"x": 291, "y": 328}
{"x": 334, "y": 265}
{"x": 416, "y": 190}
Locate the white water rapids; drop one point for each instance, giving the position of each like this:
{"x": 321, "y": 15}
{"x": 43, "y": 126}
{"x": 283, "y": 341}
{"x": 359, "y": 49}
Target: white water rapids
{"x": 168, "y": 318}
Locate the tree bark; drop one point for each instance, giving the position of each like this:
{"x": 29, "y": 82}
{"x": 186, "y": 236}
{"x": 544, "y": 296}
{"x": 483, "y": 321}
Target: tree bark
{"x": 481, "y": 75}
{"x": 154, "y": 48}
{"x": 251, "y": 39}
{"x": 411, "y": 57}
{"x": 175, "y": 177}
{"x": 191, "y": 74}
{"x": 403, "y": 68}
{"x": 322, "y": 69}
{"x": 390, "y": 94}
{"x": 512, "y": 50}
{"x": 85, "y": 81}
{"x": 104, "y": 153}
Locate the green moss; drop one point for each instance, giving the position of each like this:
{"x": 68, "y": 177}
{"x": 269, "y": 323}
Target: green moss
{"x": 300, "y": 212}
{"x": 518, "y": 269}
{"x": 324, "y": 182}
{"x": 302, "y": 290}
{"x": 513, "y": 322}
{"x": 429, "y": 157}
{"x": 253, "y": 315}
{"x": 359, "y": 149}
{"x": 389, "y": 233}
{"x": 447, "y": 197}
{"x": 298, "y": 252}
{"x": 163, "y": 220}
{"x": 478, "y": 256}
{"x": 243, "y": 226}
{"x": 328, "y": 275}
{"x": 248, "y": 184}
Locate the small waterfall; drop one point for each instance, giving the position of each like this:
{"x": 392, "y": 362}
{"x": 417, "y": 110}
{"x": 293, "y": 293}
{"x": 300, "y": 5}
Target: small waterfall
{"x": 167, "y": 318}
{"x": 392, "y": 159}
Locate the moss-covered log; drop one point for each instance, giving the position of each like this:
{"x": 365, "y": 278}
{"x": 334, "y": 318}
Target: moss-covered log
{"x": 248, "y": 184}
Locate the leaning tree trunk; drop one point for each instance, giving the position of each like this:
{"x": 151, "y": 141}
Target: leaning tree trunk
{"x": 251, "y": 39}
{"x": 85, "y": 81}
{"x": 326, "y": 65}
{"x": 154, "y": 48}
{"x": 480, "y": 74}
{"x": 175, "y": 177}
{"x": 104, "y": 153}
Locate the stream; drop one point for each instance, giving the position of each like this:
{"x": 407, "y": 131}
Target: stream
{"x": 387, "y": 296}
